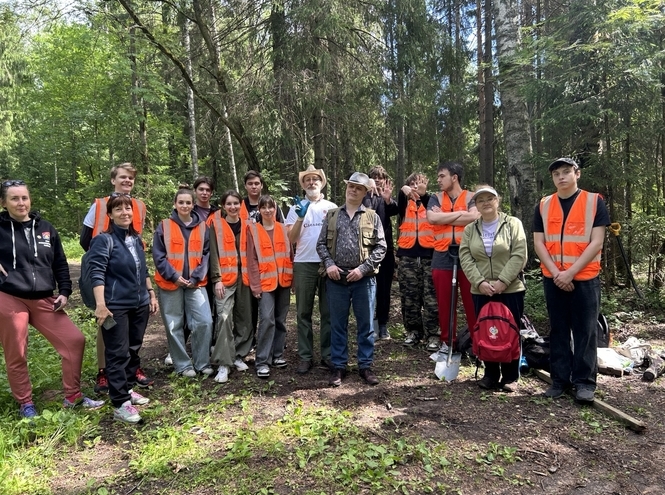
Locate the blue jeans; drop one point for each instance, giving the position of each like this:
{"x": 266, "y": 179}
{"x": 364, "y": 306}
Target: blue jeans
{"x": 575, "y": 312}
{"x": 175, "y": 306}
{"x": 340, "y": 298}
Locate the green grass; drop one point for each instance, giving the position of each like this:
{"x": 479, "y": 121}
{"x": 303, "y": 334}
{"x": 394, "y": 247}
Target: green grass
{"x": 73, "y": 249}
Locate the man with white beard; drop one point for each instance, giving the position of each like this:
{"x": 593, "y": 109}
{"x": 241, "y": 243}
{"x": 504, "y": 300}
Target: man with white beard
{"x": 304, "y": 223}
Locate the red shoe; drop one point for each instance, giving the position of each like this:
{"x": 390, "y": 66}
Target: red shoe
{"x": 102, "y": 383}
{"x": 142, "y": 380}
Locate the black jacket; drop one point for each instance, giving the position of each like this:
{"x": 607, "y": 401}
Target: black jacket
{"x": 124, "y": 288}
{"x": 35, "y": 263}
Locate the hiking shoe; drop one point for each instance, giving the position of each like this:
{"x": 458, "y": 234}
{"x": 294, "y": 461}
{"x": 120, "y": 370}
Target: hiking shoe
{"x": 137, "y": 399}
{"x": 509, "y": 387}
{"x": 222, "y": 374}
{"x": 101, "y": 382}
{"x": 303, "y": 367}
{"x": 207, "y": 371}
{"x": 554, "y": 392}
{"x": 584, "y": 395}
{"x": 27, "y": 410}
{"x": 327, "y": 364}
{"x": 411, "y": 339}
{"x": 127, "y": 413}
{"x": 279, "y": 363}
{"x": 84, "y": 402}
{"x": 336, "y": 375}
{"x": 368, "y": 375}
{"x": 168, "y": 361}
{"x": 142, "y": 380}
{"x": 263, "y": 371}
{"x": 487, "y": 383}
{"x": 189, "y": 373}
{"x": 433, "y": 344}
{"x": 240, "y": 365}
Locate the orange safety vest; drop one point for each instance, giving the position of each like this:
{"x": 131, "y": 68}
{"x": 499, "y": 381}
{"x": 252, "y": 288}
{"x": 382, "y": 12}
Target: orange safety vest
{"x": 102, "y": 219}
{"x": 175, "y": 251}
{"x": 566, "y": 242}
{"x": 415, "y": 226}
{"x": 444, "y": 234}
{"x": 226, "y": 246}
{"x": 275, "y": 265}
{"x": 244, "y": 214}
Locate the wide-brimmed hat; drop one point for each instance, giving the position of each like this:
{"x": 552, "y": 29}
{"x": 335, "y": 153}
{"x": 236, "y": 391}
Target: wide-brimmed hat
{"x": 485, "y": 189}
{"x": 360, "y": 179}
{"x": 560, "y": 162}
{"x": 312, "y": 171}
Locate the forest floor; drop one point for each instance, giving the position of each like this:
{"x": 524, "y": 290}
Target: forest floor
{"x": 412, "y": 433}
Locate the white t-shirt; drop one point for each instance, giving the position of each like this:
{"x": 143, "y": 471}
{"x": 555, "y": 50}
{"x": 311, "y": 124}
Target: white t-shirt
{"x": 89, "y": 220}
{"x": 311, "y": 228}
{"x": 489, "y": 232}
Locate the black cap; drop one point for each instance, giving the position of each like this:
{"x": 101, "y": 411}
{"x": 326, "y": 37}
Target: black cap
{"x": 559, "y": 162}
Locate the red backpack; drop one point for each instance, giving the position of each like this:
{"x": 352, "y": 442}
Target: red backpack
{"x": 495, "y": 336}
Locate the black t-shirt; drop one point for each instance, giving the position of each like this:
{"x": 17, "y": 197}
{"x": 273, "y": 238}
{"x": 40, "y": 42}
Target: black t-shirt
{"x": 602, "y": 218}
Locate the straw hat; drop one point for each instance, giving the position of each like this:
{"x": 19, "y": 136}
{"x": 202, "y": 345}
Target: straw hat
{"x": 312, "y": 171}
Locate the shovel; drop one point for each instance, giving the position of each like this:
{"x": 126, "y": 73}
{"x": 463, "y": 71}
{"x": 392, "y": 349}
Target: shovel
{"x": 447, "y": 366}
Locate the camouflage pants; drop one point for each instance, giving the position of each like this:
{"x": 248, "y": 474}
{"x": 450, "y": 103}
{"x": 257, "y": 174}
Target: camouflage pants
{"x": 419, "y": 306}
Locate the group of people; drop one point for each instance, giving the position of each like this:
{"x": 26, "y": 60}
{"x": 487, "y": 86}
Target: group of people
{"x": 224, "y": 277}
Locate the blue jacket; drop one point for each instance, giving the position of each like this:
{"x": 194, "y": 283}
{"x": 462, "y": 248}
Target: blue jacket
{"x": 124, "y": 286}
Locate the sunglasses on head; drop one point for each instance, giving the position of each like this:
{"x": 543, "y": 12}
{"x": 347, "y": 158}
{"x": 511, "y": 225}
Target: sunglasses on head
{"x": 118, "y": 195}
{"x": 13, "y": 183}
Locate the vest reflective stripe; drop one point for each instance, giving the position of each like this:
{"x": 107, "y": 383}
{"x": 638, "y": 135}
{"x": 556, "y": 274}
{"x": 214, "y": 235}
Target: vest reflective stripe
{"x": 565, "y": 250}
{"x": 444, "y": 234}
{"x": 174, "y": 242}
{"x": 415, "y": 226}
{"x": 226, "y": 247}
{"x": 102, "y": 219}
{"x": 275, "y": 265}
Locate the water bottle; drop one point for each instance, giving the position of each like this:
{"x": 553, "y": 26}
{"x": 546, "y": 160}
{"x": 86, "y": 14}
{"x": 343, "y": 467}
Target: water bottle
{"x": 524, "y": 366}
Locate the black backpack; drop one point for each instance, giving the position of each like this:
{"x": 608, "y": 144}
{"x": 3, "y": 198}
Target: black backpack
{"x": 85, "y": 283}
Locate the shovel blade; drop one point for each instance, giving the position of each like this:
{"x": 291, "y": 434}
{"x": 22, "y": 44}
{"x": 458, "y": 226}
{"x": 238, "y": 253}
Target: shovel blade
{"x": 448, "y": 371}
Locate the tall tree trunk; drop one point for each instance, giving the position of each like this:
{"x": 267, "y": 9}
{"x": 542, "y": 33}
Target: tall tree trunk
{"x": 191, "y": 111}
{"x": 521, "y": 173}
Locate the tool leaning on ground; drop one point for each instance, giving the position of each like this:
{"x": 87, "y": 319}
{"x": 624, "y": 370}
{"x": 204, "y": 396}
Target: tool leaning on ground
{"x": 615, "y": 228}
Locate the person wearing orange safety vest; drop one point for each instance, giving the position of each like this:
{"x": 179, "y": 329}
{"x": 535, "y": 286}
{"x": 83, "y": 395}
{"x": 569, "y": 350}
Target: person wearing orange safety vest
{"x": 230, "y": 280}
{"x": 270, "y": 267}
{"x": 449, "y": 211}
{"x": 420, "y": 312}
{"x": 181, "y": 252}
{"x": 96, "y": 221}
{"x": 568, "y": 234}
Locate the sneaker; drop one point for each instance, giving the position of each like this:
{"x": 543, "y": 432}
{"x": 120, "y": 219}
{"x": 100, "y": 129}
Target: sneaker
{"x": 487, "y": 383}
{"x": 127, "y": 413}
{"x": 336, "y": 375}
{"x": 84, "y": 402}
{"x": 207, "y": 370}
{"x": 189, "y": 373}
{"x": 327, "y": 364}
{"x": 101, "y": 383}
{"x": 263, "y": 371}
{"x": 443, "y": 348}
{"x": 222, "y": 374}
{"x": 303, "y": 367}
{"x": 137, "y": 399}
{"x": 28, "y": 410}
{"x": 411, "y": 339}
{"x": 554, "y": 392}
{"x": 142, "y": 380}
{"x": 585, "y": 395}
{"x": 383, "y": 332}
{"x": 168, "y": 361}
{"x": 240, "y": 365}
{"x": 433, "y": 344}
{"x": 509, "y": 387}
{"x": 368, "y": 375}
{"x": 279, "y": 363}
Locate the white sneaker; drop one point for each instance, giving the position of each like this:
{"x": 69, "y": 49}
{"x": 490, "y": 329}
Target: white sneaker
{"x": 207, "y": 371}
{"x": 433, "y": 344}
{"x": 127, "y": 413}
{"x": 167, "y": 360}
{"x": 222, "y": 374}
{"x": 137, "y": 399}
{"x": 444, "y": 348}
{"x": 240, "y": 365}
{"x": 190, "y": 373}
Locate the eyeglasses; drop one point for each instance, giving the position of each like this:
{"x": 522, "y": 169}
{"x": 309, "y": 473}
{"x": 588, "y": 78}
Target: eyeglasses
{"x": 118, "y": 195}
{"x": 13, "y": 183}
